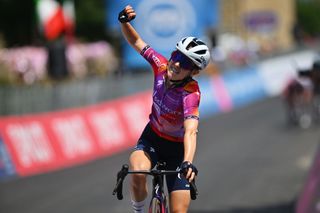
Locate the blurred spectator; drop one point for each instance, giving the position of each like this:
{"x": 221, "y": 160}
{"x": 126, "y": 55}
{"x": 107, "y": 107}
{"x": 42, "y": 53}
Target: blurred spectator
{"x": 298, "y": 34}
{"x": 26, "y": 64}
{"x": 29, "y": 64}
{"x": 57, "y": 61}
{"x": 232, "y": 49}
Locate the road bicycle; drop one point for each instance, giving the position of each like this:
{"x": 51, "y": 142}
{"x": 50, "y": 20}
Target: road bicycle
{"x": 301, "y": 112}
{"x": 304, "y": 114}
{"x": 301, "y": 105}
{"x": 159, "y": 201}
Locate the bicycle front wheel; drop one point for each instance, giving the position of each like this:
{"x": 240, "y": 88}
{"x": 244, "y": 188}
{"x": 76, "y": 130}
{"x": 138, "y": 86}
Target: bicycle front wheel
{"x": 156, "y": 206}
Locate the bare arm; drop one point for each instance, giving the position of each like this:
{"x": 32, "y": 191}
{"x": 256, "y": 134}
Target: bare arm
{"x": 190, "y": 143}
{"x": 130, "y": 34}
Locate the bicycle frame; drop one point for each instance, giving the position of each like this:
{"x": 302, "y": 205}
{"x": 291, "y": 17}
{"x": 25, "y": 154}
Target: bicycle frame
{"x": 159, "y": 202}
{"x": 316, "y": 107}
{"x": 158, "y": 195}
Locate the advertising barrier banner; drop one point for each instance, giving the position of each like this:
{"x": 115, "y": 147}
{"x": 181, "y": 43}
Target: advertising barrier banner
{"x": 277, "y": 72}
{"x": 208, "y": 103}
{"x": 244, "y": 86}
{"x": 45, "y": 142}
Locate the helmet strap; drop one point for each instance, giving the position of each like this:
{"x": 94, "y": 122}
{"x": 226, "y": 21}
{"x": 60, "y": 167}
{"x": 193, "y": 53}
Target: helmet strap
{"x": 177, "y": 83}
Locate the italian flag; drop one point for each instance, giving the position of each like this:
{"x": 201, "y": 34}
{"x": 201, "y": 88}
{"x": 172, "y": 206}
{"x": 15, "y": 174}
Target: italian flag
{"x": 69, "y": 17}
{"x": 55, "y": 18}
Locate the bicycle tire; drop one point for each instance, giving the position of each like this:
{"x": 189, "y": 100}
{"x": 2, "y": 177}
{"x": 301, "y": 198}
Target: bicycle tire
{"x": 155, "y": 206}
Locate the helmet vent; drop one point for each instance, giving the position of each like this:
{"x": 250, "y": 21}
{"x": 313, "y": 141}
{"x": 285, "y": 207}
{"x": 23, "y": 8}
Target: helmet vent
{"x": 191, "y": 44}
{"x": 200, "y": 42}
{"x": 183, "y": 40}
{"x": 201, "y": 52}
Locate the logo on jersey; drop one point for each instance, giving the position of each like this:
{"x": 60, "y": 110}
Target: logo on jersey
{"x": 162, "y": 67}
{"x": 156, "y": 60}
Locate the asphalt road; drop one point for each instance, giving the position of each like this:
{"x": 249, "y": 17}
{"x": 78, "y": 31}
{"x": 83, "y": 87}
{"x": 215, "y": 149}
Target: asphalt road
{"x": 249, "y": 161}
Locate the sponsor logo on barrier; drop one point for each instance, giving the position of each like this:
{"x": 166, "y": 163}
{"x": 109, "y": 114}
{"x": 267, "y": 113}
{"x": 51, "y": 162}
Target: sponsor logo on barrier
{"x": 73, "y": 136}
{"x": 135, "y": 114}
{"x": 30, "y": 143}
{"x": 108, "y": 128}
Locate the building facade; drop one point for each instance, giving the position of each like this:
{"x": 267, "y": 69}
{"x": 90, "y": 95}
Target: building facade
{"x": 267, "y": 22}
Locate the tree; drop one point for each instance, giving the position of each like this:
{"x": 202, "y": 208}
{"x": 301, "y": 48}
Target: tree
{"x": 90, "y": 19}
{"x": 308, "y": 16}
{"x": 17, "y": 22}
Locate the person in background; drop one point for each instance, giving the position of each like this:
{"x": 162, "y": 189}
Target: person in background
{"x": 315, "y": 77}
{"x": 300, "y": 94}
{"x": 171, "y": 133}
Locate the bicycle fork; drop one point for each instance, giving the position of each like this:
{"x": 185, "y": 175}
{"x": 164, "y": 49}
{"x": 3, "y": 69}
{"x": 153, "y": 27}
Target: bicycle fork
{"x": 159, "y": 202}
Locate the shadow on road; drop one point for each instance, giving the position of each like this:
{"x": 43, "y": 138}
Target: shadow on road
{"x": 277, "y": 208}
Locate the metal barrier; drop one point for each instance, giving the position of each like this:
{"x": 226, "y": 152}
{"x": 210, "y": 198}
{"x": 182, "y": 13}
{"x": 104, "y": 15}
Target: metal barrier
{"x": 17, "y": 100}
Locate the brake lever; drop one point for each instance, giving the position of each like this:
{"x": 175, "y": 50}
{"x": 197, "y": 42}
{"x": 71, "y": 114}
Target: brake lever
{"x": 193, "y": 190}
{"x": 119, "y": 185}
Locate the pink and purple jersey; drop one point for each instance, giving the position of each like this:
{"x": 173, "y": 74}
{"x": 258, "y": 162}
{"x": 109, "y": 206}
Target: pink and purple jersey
{"x": 171, "y": 106}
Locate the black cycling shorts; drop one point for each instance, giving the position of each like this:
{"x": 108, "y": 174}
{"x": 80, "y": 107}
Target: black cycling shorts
{"x": 163, "y": 150}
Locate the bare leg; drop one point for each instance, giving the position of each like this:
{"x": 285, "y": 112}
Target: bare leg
{"x": 179, "y": 201}
{"x": 139, "y": 160}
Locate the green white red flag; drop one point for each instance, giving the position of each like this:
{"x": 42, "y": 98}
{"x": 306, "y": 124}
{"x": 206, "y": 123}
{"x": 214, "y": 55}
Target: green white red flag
{"x": 55, "y": 18}
{"x": 69, "y": 17}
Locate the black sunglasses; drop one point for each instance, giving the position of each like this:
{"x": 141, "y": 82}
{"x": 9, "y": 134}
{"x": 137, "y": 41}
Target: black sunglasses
{"x": 183, "y": 60}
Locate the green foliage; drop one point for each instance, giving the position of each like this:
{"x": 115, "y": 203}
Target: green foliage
{"x": 308, "y": 16}
{"x": 90, "y": 19}
{"x": 17, "y": 22}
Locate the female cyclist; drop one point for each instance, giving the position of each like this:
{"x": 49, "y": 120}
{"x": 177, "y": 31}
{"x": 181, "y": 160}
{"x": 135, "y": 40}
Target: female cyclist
{"x": 171, "y": 132}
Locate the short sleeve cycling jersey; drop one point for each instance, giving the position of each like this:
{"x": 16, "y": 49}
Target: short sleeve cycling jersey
{"x": 171, "y": 106}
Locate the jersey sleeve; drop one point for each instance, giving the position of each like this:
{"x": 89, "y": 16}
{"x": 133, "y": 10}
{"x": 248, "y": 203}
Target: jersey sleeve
{"x": 155, "y": 59}
{"x": 191, "y": 101}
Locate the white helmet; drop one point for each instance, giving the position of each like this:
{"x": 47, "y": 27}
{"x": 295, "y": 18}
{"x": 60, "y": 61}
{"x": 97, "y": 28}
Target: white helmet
{"x": 195, "y": 49}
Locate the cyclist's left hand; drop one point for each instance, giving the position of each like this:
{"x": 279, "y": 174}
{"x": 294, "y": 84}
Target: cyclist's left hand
{"x": 189, "y": 170}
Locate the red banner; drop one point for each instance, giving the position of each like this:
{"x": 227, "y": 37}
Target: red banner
{"x": 44, "y": 142}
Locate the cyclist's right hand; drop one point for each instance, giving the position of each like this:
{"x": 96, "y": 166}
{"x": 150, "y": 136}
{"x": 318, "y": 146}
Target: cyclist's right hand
{"x": 127, "y": 14}
{"x": 189, "y": 170}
